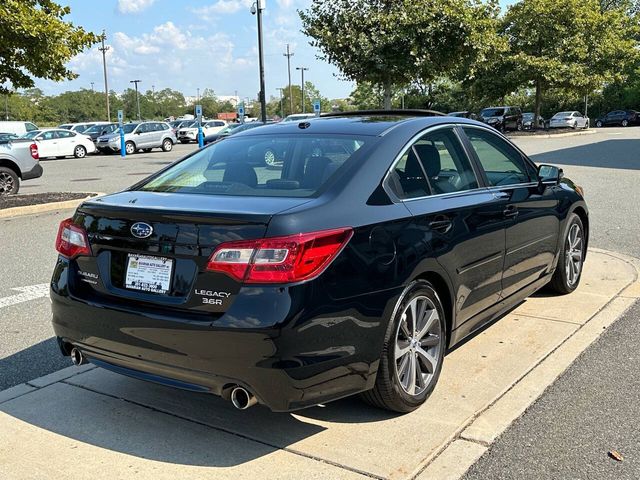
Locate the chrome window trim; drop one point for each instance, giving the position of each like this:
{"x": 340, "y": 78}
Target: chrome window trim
{"x": 408, "y": 145}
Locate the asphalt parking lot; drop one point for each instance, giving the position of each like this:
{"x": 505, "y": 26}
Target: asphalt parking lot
{"x": 606, "y": 164}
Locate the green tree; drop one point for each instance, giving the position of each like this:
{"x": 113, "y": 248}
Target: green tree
{"x": 567, "y": 44}
{"x": 391, "y": 43}
{"x": 35, "y": 41}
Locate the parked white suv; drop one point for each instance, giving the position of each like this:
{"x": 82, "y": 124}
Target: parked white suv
{"x": 190, "y": 133}
{"x": 139, "y": 136}
{"x": 18, "y": 161}
{"x": 17, "y": 128}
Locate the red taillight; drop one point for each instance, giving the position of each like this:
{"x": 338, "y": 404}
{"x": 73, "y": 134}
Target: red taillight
{"x": 72, "y": 240}
{"x": 289, "y": 259}
{"x": 33, "y": 148}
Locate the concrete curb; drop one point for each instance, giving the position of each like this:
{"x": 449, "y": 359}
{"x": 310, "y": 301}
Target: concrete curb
{"x": 555, "y": 135}
{"x": 481, "y": 431}
{"x": 45, "y": 207}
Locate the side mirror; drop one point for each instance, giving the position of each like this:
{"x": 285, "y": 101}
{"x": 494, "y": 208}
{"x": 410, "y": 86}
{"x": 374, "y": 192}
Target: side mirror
{"x": 550, "y": 174}
{"x": 138, "y": 132}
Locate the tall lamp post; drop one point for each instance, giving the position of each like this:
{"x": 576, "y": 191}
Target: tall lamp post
{"x": 136, "y": 82}
{"x": 289, "y": 55}
{"x": 257, "y": 8}
{"x": 302, "y": 70}
{"x": 281, "y": 104}
{"x": 104, "y": 49}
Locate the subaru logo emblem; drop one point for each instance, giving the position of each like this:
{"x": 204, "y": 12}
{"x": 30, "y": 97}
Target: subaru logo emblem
{"x": 141, "y": 230}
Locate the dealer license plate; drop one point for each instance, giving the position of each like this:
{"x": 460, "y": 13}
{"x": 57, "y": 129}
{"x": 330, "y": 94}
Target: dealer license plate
{"x": 148, "y": 274}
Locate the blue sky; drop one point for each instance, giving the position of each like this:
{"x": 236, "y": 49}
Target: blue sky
{"x": 190, "y": 44}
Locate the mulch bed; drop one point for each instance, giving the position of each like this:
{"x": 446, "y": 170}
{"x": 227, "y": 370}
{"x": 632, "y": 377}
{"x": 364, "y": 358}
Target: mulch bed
{"x": 11, "y": 201}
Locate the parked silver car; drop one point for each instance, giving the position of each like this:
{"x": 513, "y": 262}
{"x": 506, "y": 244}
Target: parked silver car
{"x": 139, "y": 136}
{"x": 19, "y": 160}
{"x": 571, "y": 119}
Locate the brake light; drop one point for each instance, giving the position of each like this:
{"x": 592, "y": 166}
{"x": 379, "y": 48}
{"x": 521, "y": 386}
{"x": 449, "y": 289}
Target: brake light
{"x": 33, "y": 149}
{"x": 72, "y": 241}
{"x": 293, "y": 258}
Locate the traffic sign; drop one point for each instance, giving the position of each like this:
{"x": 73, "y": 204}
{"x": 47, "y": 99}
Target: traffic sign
{"x": 241, "y": 110}
{"x": 198, "y": 110}
{"x": 316, "y": 107}
{"x": 120, "y": 116}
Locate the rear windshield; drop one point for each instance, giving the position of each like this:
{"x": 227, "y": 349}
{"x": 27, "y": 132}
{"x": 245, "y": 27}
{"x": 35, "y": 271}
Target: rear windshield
{"x": 263, "y": 165}
{"x": 492, "y": 112}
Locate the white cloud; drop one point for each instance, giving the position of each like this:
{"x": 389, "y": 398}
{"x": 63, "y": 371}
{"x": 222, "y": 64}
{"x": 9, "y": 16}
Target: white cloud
{"x": 134, "y": 6}
{"x": 222, "y": 7}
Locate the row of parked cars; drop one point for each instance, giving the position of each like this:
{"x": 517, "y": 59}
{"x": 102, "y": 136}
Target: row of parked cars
{"x": 511, "y": 118}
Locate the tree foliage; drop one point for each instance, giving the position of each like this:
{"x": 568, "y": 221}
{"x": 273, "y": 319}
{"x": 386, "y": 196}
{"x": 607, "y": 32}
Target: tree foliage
{"x": 391, "y": 43}
{"x": 36, "y": 41}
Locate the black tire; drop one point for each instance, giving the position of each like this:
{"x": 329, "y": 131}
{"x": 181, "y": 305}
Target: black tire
{"x": 575, "y": 125}
{"x": 9, "y": 182}
{"x": 79, "y": 151}
{"x": 519, "y": 127}
{"x": 185, "y": 141}
{"x": 167, "y": 145}
{"x": 389, "y": 392}
{"x": 625, "y": 123}
{"x": 599, "y": 124}
{"x": 270, "y": 158}
{"x": 565, "y": 281}
{"x": 130, "y": 148}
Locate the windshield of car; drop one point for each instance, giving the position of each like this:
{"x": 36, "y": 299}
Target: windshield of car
{"x": 32, "y": 134}
{"x": 264, "y": 165}
{"x": 527, "y": 116}
{"x": 562, "y": 114}
{"x": 129, "y": 127}
{"x": 188, "y": 124}
{"x": 492, "y": 112}
{"x": 98, "y": 129}
{"x": 300, "y": 116}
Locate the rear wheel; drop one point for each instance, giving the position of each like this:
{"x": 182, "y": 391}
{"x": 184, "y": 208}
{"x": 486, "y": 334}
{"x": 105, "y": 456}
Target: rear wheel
{"x": 9, "y": 182}
{"x": 167, "y": 145}
{"x": 129, "y": 148}
{"x": 625, "y": 123}
{"x": 575, "y": 125}
{"x": 412, "y": 353}
{"x": 566, "y": 278}
{"x": 79, "y": 151}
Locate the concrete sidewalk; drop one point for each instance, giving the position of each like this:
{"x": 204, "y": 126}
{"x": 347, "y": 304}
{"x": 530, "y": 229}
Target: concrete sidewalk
{"x": 89, "y": 423}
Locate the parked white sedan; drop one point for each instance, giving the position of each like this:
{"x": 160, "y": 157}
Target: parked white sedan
{"x": 569, "y": 120}
{"x": 60, "y": 143}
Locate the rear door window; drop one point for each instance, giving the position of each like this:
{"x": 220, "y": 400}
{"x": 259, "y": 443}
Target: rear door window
{"x": 263, "y": 165}
{"x": 502, "y": 164}
{"x": 435, "y": 164}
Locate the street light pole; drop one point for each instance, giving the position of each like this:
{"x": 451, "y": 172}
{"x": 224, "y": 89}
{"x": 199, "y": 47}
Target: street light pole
{"x": 104, "y": 49}
{"x": 257, "y": 8}
{"x": 135, "y": 82}
{"x": 6, "y": 106}
{"x": 302, "y": 70}
{"x": 92, "y": 90}
{"x": 289, "y": 55}
{"x": 198, "y": 95}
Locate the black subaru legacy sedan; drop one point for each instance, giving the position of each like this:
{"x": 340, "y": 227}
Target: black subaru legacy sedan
{"x": 381, "y": 240}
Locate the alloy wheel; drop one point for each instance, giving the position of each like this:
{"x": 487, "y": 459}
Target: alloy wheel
{"x": 417, "y": 347}
{"x": 129, "y": 149}
{"x": 573, "y": 254}
{"x": 7, "y": 184}
{"x": 270, "y": 158}
{"x": 80, "y": 152}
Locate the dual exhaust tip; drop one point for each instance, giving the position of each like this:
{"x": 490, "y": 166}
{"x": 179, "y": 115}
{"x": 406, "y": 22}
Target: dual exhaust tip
{"x": 241, "y": 398}
{"x": 77, "y": 357}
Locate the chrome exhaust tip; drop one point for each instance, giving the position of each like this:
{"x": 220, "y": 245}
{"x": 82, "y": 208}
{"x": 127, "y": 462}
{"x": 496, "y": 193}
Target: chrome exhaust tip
{"x": 77, "y": 357}
{"x": 242, "y": 399}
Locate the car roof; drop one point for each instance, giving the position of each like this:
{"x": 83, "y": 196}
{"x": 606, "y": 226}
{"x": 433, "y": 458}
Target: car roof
{"x": 373, "y": 124}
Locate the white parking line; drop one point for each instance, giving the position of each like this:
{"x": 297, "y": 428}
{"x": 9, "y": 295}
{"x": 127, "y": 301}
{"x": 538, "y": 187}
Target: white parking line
{"x": 28, "y": 293}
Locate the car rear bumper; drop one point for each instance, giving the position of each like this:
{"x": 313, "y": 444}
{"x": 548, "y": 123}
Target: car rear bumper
{"x": 299, "y": 362}
{"x": 35, "y": 172}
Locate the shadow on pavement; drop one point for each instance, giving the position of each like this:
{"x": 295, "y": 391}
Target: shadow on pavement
{"x": 159, "y": 423}
{"x": 622, "y": 154}
{"x": 32, "y": 362}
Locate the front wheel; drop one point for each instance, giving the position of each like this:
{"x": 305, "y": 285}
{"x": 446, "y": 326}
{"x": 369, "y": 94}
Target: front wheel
{"x": 79, "y": 151}
{"x": 167, "y": 145}
{"x": 625, "y": 123}
{"x": 575, "y": 125}
{"x": 566, "y": 278}
{"x": 599, "y": 124}
{"x": 519, "y": 127}
{"x": 412, "y": 353}
{"x": 9, "y": 182}
{"x": 129, "y": 148}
